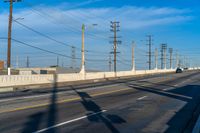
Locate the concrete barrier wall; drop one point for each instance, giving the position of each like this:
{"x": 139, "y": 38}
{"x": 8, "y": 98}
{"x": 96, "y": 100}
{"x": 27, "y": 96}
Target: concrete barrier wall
{"x": 17, "y": 80}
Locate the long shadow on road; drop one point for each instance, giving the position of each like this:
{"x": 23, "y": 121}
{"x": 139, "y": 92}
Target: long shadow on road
{"x": 184, "y": 119}
{"x": 99, "y": 116}
{"x": 49, "y": 118}
{"x": 35, "y": 120}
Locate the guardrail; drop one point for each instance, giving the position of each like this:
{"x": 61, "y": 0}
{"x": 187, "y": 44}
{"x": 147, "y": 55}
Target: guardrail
{"x": 19, "y": 80}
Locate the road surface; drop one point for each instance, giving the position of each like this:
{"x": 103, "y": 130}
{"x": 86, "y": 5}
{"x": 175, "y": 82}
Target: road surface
{"x": 152, "y": 104}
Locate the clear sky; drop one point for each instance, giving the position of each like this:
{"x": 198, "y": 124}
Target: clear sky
{"x": 175, "y": 22}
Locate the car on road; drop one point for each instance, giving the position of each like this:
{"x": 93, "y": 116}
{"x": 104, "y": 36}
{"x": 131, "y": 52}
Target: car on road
{"x": 179, "y": 70}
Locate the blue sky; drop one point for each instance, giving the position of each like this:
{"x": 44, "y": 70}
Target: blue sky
{"x": 175, "y": 22}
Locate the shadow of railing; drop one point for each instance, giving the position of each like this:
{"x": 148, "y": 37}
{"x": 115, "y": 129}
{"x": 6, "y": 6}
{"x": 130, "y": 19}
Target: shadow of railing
{"x": 52, "y": 111}
{"x": 96, "y": 114}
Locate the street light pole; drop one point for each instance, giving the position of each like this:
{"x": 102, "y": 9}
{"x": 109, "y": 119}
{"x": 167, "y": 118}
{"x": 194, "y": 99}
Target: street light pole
{"x": 83, "y": 50}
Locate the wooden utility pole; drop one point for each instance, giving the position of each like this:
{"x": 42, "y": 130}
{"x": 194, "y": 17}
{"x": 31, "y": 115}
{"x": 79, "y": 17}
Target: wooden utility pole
{"x": 9, "y": 38}
{"x": 10, "y": 34}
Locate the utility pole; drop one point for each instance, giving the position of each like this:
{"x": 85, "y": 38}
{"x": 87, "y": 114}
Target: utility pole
{"x": 184, "y": 62}
{"x": 27, "y": 62}
{"x": 62, "y": 63}
{"x": 149, "y": 40}
{"x": 110, "y": 63}
{"x": 156, "y": 59}
{"x": 115, "y": 28}
{"x": 73, "y": 59}
{"x": 133, "y": 56}
{"x": 177, "y": 60}
{"x": 163, "y": 56}
{"x": 57, "y": 60}
{"x": 17, "y": 62}
{"x": 10, "y": 34}
{"x": 83, "y": 50}
{"x": 171, "y": 53}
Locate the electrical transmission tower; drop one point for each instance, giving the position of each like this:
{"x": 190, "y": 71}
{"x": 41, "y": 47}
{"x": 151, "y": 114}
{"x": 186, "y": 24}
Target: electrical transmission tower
{"x": 149, "y": 43}
{"x": 177, "y": 59}
{"x": 115, "y": 28}
{"x": 57, "y": 60}
{"x": 171, "y": 53}
{"x": 73, "y": 59}
{"x": 110, "y": 63}
{"x": 27, "y": 62}
{"x": 156, "y": 59}
{"x": 163, "y": 56}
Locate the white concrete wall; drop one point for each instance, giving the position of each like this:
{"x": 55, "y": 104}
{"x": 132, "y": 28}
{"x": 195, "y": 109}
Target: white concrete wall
{"x": 16, "y": 80}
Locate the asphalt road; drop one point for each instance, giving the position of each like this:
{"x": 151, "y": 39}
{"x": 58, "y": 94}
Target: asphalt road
{"x": 161, "y": 103}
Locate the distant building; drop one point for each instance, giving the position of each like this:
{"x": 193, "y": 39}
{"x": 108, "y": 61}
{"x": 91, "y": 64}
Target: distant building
{"x": 1, "y": 65}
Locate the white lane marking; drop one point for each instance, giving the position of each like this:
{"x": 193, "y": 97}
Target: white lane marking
{"x": 141, "y": 98}
{"x": 67, "y": 122}
{"x": 165, "y": 89}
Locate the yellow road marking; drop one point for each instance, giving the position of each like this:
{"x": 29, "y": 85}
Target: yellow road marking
{"x": 62, "y": 101}
{"x": 74, "y": 99}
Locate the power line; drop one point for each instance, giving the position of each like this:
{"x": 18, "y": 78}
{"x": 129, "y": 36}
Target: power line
{"x": 23, "y": 43}
{"x": 76, "y": 30}
{"x": 52, "y": 39}
{"x": 44, "y": 35}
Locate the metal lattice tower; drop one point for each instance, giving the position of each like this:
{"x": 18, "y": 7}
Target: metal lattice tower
{"x": 149, "y": 43}
{"x": 115, "y": 28}
{"x": 73, "y": 59}
{"x": 163, "y": 56}
{"x": 171, "y": 57}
